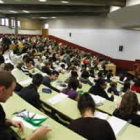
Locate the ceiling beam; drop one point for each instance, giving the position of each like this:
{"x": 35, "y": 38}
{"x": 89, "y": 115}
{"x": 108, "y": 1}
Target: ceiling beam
{"x": 53, "y": 7}
{"x": 57, "y": 14}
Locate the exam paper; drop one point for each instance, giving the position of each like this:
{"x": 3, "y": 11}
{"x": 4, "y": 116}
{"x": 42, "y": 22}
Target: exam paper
{"x": 57, "y": 98}
{"x": 100, "y": 115}
{"x": 116, "y": 124}
{"x": 98, "y": 99}
{"x": 25, "y": 81}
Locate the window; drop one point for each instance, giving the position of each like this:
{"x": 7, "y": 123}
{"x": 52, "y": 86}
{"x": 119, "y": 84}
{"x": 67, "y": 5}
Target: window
{"x": 12, "y": 22}
{"x": 18, "y": 23}
{"x": 46, "y": 26}
{"x": 2, "y": 21}
{"x": 7, "y": 22}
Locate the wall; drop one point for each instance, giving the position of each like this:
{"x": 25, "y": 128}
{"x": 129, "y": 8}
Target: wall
{"x": 99, "y": 34}
{"x": 27, "y": 24}
{"x": 7, "y": 30}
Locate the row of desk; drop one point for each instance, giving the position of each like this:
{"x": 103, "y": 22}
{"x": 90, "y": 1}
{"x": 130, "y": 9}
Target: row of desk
{"x": 68, "y": 108}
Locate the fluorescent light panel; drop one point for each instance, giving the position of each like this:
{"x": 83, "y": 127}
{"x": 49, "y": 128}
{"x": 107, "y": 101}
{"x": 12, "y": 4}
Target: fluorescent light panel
{"x": 42, "y": 0}
{"x": 114, "y": 8}
{"x": 1, "y": 1}
{"x": 26, "y": 11}
{"x": 13, "y": 11}
{"x": 64, "y": 1}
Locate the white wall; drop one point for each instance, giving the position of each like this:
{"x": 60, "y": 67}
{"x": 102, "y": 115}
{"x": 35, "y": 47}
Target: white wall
{"x": 7, "y": 30}
{"x": 103, "y": 37}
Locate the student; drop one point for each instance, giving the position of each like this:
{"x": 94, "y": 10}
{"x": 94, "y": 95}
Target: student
{"x": 1, "y": 62}
{"x": 99, "y": 89}
{"x": 88, "y": 126}
{"x": 47, "y": 80}
{"x": 85, "y": 78}
{"x": 113, "y": 88}
{"x": 30, "y": 93}
{"x": 8, "y": 67}
{"x": 128, "y": 108}
{"x": 46, "y": 68}
{"x": 74, "y": 75}
{"x": 61, "y": 69}
{"x": 109, "y": 75}
{"x": 71, "y": 89}
{"x": 126, "y": 85}
{"x": 27, "y": 66}
{"x": 7, "y": 85}
{"x": 136, "y": 87}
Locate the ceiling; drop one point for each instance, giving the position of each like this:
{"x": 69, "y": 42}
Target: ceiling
{"x": 55, "y": 8}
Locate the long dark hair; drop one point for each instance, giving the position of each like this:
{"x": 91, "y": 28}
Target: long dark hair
{"x": 86, "y": 102}
{"x": 73, "y": 84}
{"x": 129, "y": 104}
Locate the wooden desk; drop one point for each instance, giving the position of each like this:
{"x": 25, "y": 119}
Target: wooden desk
{"x": 19, "y": 75}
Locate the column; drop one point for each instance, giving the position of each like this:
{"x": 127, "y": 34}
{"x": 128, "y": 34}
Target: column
{"x": 16, "y": 26}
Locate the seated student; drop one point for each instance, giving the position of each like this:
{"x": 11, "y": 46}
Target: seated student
{"x": 85, "y": 78}
{"x": 100, "y": 75}
{"x": 113, "y": 88}
{"x": 73, "y": 75}
{"x": 126, "y": 85}
{"x": 71, "y": 89}
{"x": 46, "y": 68}
{"x": 128, "y": 108}
{"x": 136, "y": 87}
{"x": 47, "y": 80}
{"x": 7, "y": 85}
{"x": 99, "y": 89}
{"x": 30, "y": 93}
{"x": 27, "y": 66}
{"x": 61, "y": 69}
{"x": 1, "y": 62}
{"x": 8, "y": 67}
{"x": 88, "y": 126}
{"x": 109, "y": 75}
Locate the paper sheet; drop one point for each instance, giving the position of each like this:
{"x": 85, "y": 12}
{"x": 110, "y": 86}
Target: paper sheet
{"x": 26, "y": 124}
{"x": 116, "y": 124}
{"x": 25, "y": 81}
{"x": 100, "y": 115}
{"x": 57, "y": 98}
{"x": 15, "y": 69}
{"x": 60, "y": 88}
{"x": 98, "y": 99}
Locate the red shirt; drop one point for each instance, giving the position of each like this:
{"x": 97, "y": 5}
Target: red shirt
{"x": 85, "y": 61}
{"x": 136, "y": 89}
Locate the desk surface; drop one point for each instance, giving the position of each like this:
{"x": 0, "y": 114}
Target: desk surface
{"x": 58, "y": 132}
{"x": 19, "y": 75}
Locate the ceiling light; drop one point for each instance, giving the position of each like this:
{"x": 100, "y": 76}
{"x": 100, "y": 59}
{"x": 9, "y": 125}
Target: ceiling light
{"x": 64, "y": 2}
{"x": 44, "y": 17}
{"x": 42, "y": 0}
{"x": 114, "y": 8}
{"x": 1, "y": 1}
{"x": 26, "y": 11}
{"x": 13, "y": 11}
{"x": 53, "y": 17}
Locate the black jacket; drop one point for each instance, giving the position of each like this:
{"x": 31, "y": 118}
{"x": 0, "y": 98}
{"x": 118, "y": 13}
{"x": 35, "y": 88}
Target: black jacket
{"x": 31, "y": 95}
{"x": 97, "y": 90}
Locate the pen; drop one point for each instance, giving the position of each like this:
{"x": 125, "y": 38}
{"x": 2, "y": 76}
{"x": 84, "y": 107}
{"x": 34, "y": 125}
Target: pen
{"x": 32, "y": 117}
